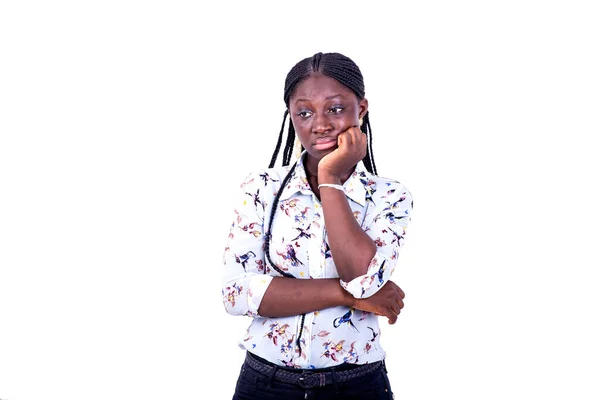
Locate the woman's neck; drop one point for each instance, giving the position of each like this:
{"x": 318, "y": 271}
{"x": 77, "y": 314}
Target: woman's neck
{"x": 312, "y": 171}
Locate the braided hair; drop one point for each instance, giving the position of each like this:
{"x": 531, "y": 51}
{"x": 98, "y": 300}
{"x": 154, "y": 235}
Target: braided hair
{"x": 345, "y": 71}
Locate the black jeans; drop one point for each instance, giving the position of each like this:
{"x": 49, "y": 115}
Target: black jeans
{"x": 253, "y": 385}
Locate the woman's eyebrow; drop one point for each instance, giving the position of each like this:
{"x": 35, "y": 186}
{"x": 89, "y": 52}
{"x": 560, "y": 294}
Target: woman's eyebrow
{"x": 326, "y": 98}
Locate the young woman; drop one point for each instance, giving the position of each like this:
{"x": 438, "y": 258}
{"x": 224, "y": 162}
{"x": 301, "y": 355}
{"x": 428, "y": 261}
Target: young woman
{"x": 312, "y": 247}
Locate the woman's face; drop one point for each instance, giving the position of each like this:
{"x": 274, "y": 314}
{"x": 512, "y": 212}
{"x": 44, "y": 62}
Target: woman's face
{"x": 321, "y": 108}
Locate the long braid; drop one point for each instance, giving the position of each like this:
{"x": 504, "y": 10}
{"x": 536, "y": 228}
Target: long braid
{"x": 289, "y": 145}
{"x": 373, "y": 169}
{"x": 276, "y": 152}
{"x": 369, "y": 161}
{"x": 268, "y": 245}
{"x": 269, "y": 231}
{"x": 345, "y": 71}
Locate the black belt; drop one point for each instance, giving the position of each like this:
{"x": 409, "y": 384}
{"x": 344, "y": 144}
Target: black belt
{"x": 310, "y": 378}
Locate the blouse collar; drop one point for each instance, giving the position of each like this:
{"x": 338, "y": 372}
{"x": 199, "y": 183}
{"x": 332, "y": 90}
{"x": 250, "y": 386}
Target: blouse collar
{"x": 359, "y": 187}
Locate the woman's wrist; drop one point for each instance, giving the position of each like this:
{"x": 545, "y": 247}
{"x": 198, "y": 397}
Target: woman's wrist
{"x": 347, "y": 299}
{"x": 329, "y": 179}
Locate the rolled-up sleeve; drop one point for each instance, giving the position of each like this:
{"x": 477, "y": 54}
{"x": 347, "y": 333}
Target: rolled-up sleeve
{"x": 388, "y": 230}
{"x": 244, "y": 282}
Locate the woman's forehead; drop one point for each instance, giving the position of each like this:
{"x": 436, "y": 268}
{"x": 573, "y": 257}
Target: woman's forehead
{"x": 319, "y": 87}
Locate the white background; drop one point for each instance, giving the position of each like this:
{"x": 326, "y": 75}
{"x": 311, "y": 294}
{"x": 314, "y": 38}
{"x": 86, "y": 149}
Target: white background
{"x": 126, "y": 125}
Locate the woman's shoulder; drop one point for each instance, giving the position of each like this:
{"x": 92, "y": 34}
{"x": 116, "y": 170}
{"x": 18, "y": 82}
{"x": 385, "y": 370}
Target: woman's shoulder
{"x": 390, "y": 188}
{"x": 383, "y": 181}
{"x": 391, "y": 182}
{"x": 265, "y": 177}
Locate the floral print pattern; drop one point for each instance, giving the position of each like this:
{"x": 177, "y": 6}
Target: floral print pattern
{"x": 299, "y": 246}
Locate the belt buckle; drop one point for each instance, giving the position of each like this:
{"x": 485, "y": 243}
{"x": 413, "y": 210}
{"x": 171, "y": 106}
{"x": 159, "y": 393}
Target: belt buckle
{"x": 308, "y": 380}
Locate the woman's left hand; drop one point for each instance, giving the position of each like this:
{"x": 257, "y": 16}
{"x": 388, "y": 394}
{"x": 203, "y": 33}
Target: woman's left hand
{"x": 352, "y": 147}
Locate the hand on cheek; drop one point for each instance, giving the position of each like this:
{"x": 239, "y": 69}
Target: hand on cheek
{"x": 352, "y": 147}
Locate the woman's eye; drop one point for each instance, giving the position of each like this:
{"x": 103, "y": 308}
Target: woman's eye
{"x": 304, "y": 114}
{"x": 336, "y": 110}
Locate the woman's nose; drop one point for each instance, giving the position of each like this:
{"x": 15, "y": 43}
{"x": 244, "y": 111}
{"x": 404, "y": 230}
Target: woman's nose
{"x": 321, "y": 123}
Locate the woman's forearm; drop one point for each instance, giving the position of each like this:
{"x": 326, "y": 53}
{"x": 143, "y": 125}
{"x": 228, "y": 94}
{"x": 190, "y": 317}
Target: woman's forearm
{"x": 351, "y": 248}
{"x": 287, "y": 296}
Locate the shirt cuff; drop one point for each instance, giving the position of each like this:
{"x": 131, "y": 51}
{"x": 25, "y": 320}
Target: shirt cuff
{"x": 367, "y": 285}
{"x": 257, "y": 286}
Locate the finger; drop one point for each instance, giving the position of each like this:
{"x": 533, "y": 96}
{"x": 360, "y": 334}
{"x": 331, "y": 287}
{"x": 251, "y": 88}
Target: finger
{"x": 349, "y": 136}
{"x": 340, "y": 140}
{"x": 392, "y": 319}
{"x": 401, "y": 292}
{"x": 400, "y": 303}
{"x": 358, "y": 135}
{"x": 361, "y": 140}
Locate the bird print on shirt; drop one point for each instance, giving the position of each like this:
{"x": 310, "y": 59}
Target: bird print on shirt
{"x": 243, "y": 259}
{"x": 380, "y": 273}
{"x": 290, "y": 255}
{"x": 265, "y": 177}
{"x": 303, "y": 233}
{"x": 370, "y": 186}
{"x": 251, "y": 228}
{"x": 346, "y": 318}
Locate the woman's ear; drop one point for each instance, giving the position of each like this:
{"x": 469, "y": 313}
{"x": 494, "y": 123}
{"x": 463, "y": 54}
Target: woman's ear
{"x": 363, "y": 107}
{"x": 297, "y": 148}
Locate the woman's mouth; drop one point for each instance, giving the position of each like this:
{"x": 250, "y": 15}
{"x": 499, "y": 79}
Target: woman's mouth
{"x": 325, "y": 143}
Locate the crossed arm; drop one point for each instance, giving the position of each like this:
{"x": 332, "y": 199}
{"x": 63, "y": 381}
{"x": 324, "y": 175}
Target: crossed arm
{"x": 248, "y": 291}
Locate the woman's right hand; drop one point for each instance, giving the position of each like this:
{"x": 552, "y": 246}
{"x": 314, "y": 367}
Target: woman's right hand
{"x": 387, "y": 302}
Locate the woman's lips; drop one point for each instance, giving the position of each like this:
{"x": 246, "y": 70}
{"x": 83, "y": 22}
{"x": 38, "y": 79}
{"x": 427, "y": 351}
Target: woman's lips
{"x": 324, "y": 143}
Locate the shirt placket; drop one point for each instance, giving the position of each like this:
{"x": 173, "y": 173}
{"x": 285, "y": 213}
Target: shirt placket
{"x": 315, "y": 269}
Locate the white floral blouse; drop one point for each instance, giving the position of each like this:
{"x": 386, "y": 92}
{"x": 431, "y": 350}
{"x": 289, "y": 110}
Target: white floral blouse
{"x": 299, "y": 246}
